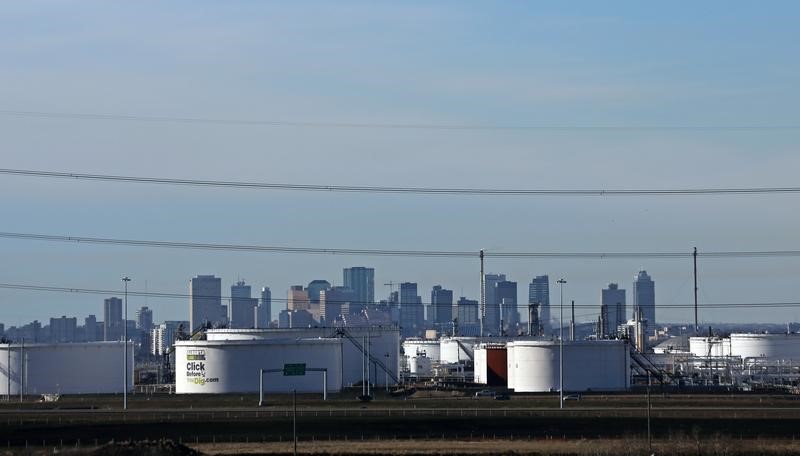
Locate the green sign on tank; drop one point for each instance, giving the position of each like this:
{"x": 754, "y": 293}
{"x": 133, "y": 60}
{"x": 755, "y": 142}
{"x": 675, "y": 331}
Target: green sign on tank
{"x": 294, "y": 369}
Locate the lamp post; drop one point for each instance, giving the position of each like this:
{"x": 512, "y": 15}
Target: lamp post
{"x": 561, "y": 283}
{"x": 125, "y": 280}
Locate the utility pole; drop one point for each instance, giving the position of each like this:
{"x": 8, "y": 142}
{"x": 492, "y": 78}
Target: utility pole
{"x": 483, "y": 295}
{"x": 294, "y": 419}
{"x": 649, "y": 438}
{"x": 561, "y": 282}
{"x": 125, "y": 280}
{"x": 694, "y": 257}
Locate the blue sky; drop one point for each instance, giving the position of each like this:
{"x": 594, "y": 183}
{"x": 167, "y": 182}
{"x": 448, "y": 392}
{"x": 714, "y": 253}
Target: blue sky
{"x": 515, "y": 63}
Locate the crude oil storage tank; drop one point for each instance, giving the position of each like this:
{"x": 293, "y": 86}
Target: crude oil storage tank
{"x": 710, "y": 346}
{"x": 491, "y": 365}
{"x": 782, "y": 347}
{"x": 232, "y": 366}
{"x": 596, "y": 365}
{"x": 420, "y": 366}
{"x": 382, "y": 343}
{"x": 69, "y": 368}
{"x": 457, "y": 349}
{"x": 414, "y": 347}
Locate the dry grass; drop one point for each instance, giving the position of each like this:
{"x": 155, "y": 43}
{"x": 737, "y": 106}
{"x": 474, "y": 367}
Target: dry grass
{"x": 622, "y": 447}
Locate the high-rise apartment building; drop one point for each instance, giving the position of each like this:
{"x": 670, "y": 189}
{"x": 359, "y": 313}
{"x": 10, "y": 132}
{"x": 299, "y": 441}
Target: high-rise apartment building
{"x": 90, "y": 333}
{"x": 613, "y": 298}
{"x": 362, "y": 281}
{"x": 644, "y": 297}
{"x": 205, "y": 302}
{"x": 492, "y": 320}
{"x": 242, "y": 308}
{"x": 412, "y": 313}
{"x": 441, "y": 307}
{"x": 163, "y": 336}
{"x": 506, "y": 296}
{"x": 539, "y": 293}
{"x": 112, "y": 319}
{"x": 63, "y": 330}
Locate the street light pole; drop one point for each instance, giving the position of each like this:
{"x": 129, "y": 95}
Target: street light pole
{"x": 125, "y": 280}
{"x": 561, "y": 283}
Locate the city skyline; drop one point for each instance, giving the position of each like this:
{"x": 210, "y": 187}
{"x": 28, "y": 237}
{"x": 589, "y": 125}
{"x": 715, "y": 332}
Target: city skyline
{"x": 519, "y": 96}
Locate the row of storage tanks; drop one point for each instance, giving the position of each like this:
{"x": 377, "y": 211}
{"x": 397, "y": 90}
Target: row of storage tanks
{"x": 528, "y": 365}
{"x": 228, "y": 361}
{"x": 773, "y": 347}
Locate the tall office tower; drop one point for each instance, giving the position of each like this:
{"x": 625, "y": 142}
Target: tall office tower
{"x": 492, "y": 322}
{"x": 242, "y": 308}
{"x": 205, "y": 302}
{"x": 644, "y": 297}
{"x": 334, "y": 304}
{"x": 264, "y": 310}
{"x": 144, "y": 324}
{"x": 315, "y": 287}
{"x": 412, "y": 313}
{"x": 297, "y": 298}
{"x": 613, "y": 298}
{"x": 468, "y": 319}
{"x": 539, "y": 293}
{"x": 506, "y": 296}
{"x": 90, "y": 329}
{"x": 62, "y": 330}
{"x": 362, "y": 281}
{"x": 441, "y": 306}
{"x": 112, "y": 319}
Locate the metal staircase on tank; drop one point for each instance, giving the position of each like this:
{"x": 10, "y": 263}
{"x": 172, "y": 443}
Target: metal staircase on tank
{"x": 342, "y": 332}
{"x": 642, "y": 364}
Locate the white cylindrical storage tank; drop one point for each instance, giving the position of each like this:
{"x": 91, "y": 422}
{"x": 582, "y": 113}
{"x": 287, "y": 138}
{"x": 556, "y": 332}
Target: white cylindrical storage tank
{"x": 601, "y": 365}
{"x": 233, "y": 366}
{"x": 771, "y": 346}
{"x": 384, "y": 346}
{"x": 413, "y": 347}
{"x": 456, "y": 349}
{"x": 69, "y": 368}
{"x": 709, "y": 346}
{"x": 481, "y": 366}
{"x": 511, "y": 365}
{"x": 420, "y": 366}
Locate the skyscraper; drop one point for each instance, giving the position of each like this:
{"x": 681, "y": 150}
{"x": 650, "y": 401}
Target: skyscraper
{"x": 112, "y": 319}
{"x": 539, "y": 293}
{"x": 144, "y": 318}
{"x": 335, "y": 303}
{"x": 412, "y": 314}
{"x": 613, "y": 298}
{"x": 468, "y": 318}
{"x": 506, "y": 296}
{"x": 441, "y": 306}
{"x": 362, "y": 281}
{"x": 644, "y": 297}
{"x": 264, "y": 311}
{"x": 242, "y": 309}
{"x": 492, "y": 322}
{"x": 315, "y": 287}
{"x": 205, "y": 301}
{"x": 63, "y": 329}
{"x": 297, "y": 298}
{"x": 90, "y": 329}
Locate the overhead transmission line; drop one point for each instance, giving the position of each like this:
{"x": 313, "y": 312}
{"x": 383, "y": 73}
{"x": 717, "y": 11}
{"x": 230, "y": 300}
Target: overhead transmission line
{"x": 384, "y": 252}
{"x": 401, "y": 190}
{"x": 169, "y": 295}
{"x": 388, "y": 125}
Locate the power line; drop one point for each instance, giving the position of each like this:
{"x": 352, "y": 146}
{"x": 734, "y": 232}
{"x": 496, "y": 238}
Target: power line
{"x": 384, "y": 252}
{"x": 399, "y": 190}
{"x": 169, "y": 295}
{"x": 393, "y": 125}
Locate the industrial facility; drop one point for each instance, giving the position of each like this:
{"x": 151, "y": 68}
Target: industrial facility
{"x": 78, "y": 368}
